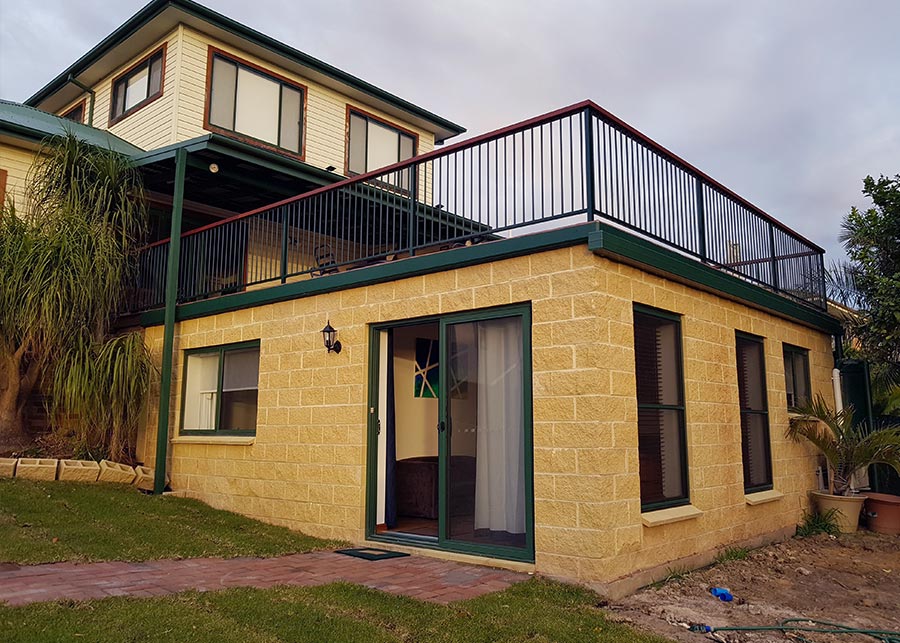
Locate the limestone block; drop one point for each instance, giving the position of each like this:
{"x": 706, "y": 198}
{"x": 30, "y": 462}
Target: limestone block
{"x": 144, "y": 477}
{"x": 115, "y": 472}
{"x": 79, "y": 470}
{"x": 37, "y": 468}
{"x": 7, "y": 467}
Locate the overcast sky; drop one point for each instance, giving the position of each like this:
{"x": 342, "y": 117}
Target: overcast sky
{"x": 788, "y": 102}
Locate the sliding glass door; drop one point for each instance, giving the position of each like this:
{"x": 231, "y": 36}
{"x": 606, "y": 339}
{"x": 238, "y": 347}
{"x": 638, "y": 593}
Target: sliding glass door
{"x": 484, "y": 416}
{"x": 482, "y": 480}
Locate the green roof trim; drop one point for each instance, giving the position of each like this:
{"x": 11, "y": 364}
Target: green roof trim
{"x": 620, "y": 245}
{"x": 240, "y": 150}
{"x": 35, "y": 125}
{"x": 155, "y": 7}
{"x": 600, "y": 238}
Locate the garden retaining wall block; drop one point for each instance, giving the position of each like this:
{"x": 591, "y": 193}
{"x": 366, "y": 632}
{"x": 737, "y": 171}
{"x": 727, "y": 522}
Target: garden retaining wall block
{"x": 79, "y": 470}
{"x": 7, "y": 467}
{"x": 115, "y": 472}
{"x": 143, "y": 478}
{"x": 37, "y": 468}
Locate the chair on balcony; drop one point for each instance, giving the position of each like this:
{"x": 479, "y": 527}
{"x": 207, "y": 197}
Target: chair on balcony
{"x": 326, "y": 264}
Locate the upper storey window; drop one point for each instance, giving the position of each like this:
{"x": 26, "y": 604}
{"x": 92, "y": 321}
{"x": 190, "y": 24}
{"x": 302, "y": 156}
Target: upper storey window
{"x": 138, "y": 86}
{"x": 374, "y": 143}
{"x": 76, "y": 113}
{"x": 250, "y": 101}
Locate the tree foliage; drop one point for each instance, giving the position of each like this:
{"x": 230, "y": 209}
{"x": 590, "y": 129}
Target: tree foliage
{"x": 847, "y": 445}
{"x": 66, "y": 265}
{"x": 870, "y": 284}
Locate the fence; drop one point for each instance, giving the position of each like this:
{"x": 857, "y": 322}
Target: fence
{"x": 576, "y": 163}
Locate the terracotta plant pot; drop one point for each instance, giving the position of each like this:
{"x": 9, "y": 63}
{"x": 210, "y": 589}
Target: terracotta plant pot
{"x": 848, "y": 509}
{"x": 883, "y": 512}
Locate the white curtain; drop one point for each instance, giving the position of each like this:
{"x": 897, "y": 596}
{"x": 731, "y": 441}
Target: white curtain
{"x": 500, "y": 468}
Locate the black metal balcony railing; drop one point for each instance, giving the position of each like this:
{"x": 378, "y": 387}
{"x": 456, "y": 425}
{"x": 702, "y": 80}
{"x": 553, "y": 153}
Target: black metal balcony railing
{"x": 580, "y": 161}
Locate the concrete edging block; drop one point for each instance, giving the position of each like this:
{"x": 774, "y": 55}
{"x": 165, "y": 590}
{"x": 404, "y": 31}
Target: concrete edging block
{"x": 37, "y": 468}
{"x": 79, "y": 470}
{"x": 115, "y": 472}
{"x": 8, "y": 467}
{"x": 144, "y": 478}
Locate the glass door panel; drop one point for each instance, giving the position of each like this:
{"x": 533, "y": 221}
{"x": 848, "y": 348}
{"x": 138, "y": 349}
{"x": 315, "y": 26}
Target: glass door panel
{"x": 484, "y": 432}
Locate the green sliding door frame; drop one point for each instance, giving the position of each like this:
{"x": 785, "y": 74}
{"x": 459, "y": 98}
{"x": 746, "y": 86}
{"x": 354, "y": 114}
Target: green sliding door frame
{"x": 443, "y": 542}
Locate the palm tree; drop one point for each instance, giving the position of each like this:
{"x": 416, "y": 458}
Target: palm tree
{"x": 848, "y": 446}
{"x": 65, "y": 270}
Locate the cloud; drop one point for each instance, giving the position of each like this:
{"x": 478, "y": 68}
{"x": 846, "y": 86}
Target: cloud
{"x": 790, "y": 104}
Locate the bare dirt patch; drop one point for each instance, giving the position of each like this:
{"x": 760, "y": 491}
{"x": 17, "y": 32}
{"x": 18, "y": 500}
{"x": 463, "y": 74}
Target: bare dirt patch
{"x": 852, "y": 579}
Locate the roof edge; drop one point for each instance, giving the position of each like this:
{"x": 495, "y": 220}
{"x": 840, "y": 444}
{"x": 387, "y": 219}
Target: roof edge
{"x": 155, "y": 7}
{"x": 104, "y": 138}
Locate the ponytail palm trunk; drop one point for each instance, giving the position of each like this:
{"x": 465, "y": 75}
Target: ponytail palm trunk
{"x": 848, "y": 446}
{"x": 65, "y": 268}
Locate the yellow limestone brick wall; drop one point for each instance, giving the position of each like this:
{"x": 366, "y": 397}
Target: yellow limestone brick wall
{"x": 306, "y": 469}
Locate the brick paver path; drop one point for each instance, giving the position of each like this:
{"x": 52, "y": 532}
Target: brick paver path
{"x": 428, "y": 579}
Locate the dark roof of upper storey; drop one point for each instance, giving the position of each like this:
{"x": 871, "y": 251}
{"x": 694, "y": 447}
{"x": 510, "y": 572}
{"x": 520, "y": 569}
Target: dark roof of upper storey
{"x": 35, "y": 125}
{"x": 156, "y": 7}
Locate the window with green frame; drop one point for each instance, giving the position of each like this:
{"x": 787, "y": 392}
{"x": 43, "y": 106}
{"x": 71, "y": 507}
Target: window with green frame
{"x": 662, "y": 444}
{"x": 796, "y": 375}
{"x": 756, "y": 450}
{"x": 220, "y": 390}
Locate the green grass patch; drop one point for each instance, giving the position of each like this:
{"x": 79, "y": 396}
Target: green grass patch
{"x": 67, "y": 521}
{"x": 732, "y": 553}
{"x": 536, "y": 611}
{"x": 819, "y": 523}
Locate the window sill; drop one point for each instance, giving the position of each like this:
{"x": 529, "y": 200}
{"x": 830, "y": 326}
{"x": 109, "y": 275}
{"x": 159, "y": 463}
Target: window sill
{"x": 233, "y": 440}
{"x": 762, "y": 497}
{"x": 667, "y": 516}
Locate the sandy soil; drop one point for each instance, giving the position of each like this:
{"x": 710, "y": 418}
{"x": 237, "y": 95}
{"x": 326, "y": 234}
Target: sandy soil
{"x": 853, "y": 580}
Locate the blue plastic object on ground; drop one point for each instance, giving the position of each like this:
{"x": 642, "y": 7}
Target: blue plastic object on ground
{"x": 721, "y": 593}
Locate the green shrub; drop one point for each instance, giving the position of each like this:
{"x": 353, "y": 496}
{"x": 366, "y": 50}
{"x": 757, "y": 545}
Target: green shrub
{"x": 819, "y": 523}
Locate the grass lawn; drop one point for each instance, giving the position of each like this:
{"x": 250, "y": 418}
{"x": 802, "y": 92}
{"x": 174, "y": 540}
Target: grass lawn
{"x": 536, "y": 611}
{"x": 57, "y": 521}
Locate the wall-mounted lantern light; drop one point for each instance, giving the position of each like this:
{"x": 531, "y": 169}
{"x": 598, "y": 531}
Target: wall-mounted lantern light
{"x": 329, "y": 335}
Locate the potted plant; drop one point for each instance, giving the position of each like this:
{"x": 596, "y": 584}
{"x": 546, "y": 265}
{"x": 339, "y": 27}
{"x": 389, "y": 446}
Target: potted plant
{"x": 849, "y": 447}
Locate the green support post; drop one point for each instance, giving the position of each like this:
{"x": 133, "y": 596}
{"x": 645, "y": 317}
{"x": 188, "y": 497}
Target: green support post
{"x": 165, "y": 385}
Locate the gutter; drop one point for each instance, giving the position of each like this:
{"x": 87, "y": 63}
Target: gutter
{"x": 156, "y": 7}
{"x": 90, "y": 92}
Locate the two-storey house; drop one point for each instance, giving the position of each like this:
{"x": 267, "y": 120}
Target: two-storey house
{"x": 556, "y": 346}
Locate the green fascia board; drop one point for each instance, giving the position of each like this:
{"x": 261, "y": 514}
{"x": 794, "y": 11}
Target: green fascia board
{"x": 35, "y": 125}
{"x": 156, "y": 7}
{"x": 409, "y": 267}
{"x": 623, "y": 246}
{"x": 601, "y": 240}
{"x": 242, "y": 151}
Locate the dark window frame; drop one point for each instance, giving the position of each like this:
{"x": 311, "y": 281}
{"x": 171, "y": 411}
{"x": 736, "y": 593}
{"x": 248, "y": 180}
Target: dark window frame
{"x": 124, "y": 77}
{"x": 368, "y": 117}
{"x": 685, "y": 499}
{"x": 764, "y": 413}
{"x": 79, "y": 106}
{"x": 215, "y": 52}
{"x": 221, "y": 351}
{"x": 789, "y": 351}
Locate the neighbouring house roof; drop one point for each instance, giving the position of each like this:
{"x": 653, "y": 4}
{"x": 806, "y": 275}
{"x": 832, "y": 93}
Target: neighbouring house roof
{"x": 161, "y": 16}
{"x": 34, "y": 125}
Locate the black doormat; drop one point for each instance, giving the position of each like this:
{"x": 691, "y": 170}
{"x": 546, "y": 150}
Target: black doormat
{"x": 370, "y": 553}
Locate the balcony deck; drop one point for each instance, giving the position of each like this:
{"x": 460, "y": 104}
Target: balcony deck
{"x": 576, "y": 164}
